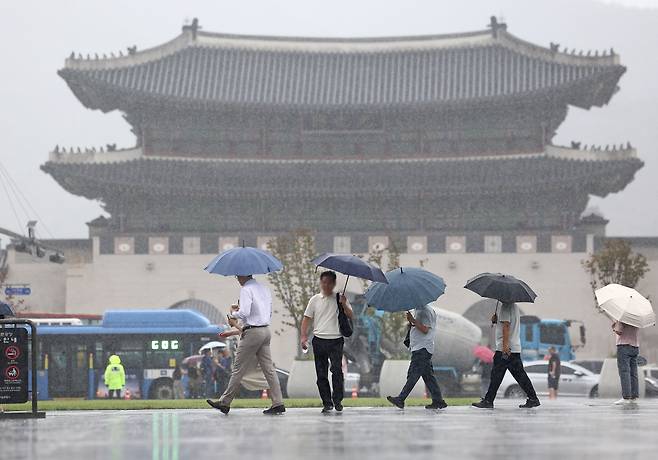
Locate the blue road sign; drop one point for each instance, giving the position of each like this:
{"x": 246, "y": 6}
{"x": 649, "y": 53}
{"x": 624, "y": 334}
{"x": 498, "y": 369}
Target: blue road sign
{"x": 18, "y": 291}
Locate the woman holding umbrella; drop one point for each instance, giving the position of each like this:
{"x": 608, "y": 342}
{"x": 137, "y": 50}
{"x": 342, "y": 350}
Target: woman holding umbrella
{"x": 629, "y": 311}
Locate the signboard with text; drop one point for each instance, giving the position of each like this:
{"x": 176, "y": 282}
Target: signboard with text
{"x": 13, "y": 365}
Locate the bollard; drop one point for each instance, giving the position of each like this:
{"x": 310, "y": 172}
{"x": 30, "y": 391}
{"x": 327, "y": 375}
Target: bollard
{"x": 263, "y": 395}
{"x": 355, "y": 392}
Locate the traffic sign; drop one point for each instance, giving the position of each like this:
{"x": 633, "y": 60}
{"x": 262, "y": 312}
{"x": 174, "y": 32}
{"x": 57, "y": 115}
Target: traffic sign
{"x": 10, "y": 290}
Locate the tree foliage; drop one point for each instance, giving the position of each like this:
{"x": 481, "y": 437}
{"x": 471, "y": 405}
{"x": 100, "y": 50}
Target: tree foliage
{"x": 616, "y": 263}
{"x": 297, "y": 282}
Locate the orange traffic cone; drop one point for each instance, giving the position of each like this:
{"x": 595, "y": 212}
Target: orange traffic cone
{"x": 263, "y": 395}
{"x": 355, "y": 393}
{"x": 126, "y": 395}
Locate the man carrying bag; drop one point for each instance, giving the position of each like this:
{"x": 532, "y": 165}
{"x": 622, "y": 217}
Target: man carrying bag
{"x": 331, "y": 315}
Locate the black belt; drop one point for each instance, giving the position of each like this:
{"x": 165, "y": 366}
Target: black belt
{"x": 244, "y": 328}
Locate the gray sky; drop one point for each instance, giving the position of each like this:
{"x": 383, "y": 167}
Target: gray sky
{"x": 38, "y": 110}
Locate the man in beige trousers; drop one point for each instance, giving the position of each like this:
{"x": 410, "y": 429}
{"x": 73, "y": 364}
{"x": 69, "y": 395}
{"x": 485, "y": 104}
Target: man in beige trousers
{"x": 255, "y": 313}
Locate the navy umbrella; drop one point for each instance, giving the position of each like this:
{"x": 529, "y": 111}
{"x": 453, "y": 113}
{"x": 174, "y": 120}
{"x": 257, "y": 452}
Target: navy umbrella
{"x": 244, "y": 261}
{"x": 504, "y": 288}
{"x": 351, "y": 266}
{"x": 407, "y": 288}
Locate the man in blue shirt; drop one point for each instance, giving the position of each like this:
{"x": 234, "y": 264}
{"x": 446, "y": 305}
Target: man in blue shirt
{"x": 421, "y": 343}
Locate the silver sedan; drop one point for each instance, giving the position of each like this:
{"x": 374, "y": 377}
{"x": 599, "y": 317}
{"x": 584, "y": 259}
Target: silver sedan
{"x": 574, "y": 381}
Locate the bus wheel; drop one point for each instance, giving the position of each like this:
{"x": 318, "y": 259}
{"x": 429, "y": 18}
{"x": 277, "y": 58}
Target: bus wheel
{"x": 515, "y": 392}
{"x": 163, "y": 391}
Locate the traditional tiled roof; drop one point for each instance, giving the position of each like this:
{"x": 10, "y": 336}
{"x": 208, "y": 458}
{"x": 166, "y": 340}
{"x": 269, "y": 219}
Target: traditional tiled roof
{"x": 212, "y": 69}
{"x": 97, "y": 175}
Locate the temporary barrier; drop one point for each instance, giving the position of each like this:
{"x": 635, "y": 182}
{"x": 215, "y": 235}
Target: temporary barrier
{"x": 15, "y": 374}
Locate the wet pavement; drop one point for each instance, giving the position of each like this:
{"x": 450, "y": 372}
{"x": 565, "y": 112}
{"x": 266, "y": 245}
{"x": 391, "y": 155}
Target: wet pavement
{"x": 557, "y": 430}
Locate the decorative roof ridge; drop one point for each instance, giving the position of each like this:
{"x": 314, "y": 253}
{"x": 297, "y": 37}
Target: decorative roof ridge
{"x": 593, "y": 153}
{"x": 136, "y": 153}
{"x": 192, "y": 37}
{"x": 553, "y": 52}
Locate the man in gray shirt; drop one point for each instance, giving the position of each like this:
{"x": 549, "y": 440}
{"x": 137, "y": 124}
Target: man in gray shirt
{"x": 421, "y": 343}
{"x": 508, "y": 357}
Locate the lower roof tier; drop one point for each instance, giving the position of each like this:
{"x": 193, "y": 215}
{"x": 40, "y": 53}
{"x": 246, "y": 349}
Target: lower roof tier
{"x": 547, "y": 190}
{"x": 96, "y": 175}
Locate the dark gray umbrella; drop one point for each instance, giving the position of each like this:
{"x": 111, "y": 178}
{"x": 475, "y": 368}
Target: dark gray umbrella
{"x": 504, "y": 288}
{"x": 351, "y": 266}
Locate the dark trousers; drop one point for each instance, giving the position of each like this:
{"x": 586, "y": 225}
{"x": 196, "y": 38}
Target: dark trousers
{"x": 112, "y": 393}
{"x": 514, "y": 365}
{"x": 421, "y": 366}
{"x": 627, "y": 365}
{"x": 328, "y": 354}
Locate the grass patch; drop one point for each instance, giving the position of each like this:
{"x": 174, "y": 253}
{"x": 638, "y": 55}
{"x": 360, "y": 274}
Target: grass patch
{"x": 138, "y": 404}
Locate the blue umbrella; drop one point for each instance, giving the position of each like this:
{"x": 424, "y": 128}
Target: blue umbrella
{"x": 351, "y": 266}
{"x": 407, "y": 288}
{"x": 244, "y": 261}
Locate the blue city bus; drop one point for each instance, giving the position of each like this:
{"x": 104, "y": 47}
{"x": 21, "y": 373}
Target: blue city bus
{"x": 150, "y": 343}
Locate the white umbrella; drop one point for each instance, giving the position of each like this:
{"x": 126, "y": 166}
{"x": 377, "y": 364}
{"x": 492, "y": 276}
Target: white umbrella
{"x": 211, "y": 345}
{"x": 625, "y": 305}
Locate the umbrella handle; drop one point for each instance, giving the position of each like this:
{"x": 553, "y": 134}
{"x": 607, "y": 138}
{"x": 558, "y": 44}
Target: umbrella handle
{"x": 346, "y": 281}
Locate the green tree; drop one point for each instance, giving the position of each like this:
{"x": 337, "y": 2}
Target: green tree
{"x": 615, "y": 263}
{"x": 297, "y": 282}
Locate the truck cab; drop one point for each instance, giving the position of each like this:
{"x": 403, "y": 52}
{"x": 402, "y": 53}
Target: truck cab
{"x": 538, "y": 335}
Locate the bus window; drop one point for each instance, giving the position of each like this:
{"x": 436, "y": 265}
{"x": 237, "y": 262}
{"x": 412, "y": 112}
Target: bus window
{"x": 553, "y": 334}
{"x": 529, "y": 335}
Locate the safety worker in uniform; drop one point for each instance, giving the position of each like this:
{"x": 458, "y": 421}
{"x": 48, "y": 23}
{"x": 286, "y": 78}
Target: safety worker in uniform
{"x": 115, "y": 377}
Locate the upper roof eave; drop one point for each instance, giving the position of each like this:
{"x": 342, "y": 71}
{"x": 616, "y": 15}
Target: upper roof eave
{"x": 335, "y": 45}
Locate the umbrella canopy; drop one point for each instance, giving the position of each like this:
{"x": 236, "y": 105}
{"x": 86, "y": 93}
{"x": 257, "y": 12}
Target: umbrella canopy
{"x": 625, "y": 305}
{"x": 244, "y": 261}
{"x": 504, "y": 288}
{"x": 211, "y": 345}
{"x": 407, "y": 288}
{"x": 351, "y": 266}
{"x": 484, "y": 354}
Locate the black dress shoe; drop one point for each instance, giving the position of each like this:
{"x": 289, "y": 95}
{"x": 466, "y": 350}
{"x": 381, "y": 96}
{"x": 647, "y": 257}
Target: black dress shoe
{"x": 327, "y": 408}
{"x": 530, "y": 403}
{"x": 437, "y": 405}
{"x": 275, "y": 410}
{"x": 215, "y": 404}
{"x": 397, "y": 402}
{"x": 483, "y": 404}
{"x": 339, "y": 407}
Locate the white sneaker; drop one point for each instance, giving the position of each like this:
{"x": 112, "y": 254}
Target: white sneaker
{"x": 622, "y": 402}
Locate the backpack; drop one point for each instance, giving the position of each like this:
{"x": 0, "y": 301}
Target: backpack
{"x": 344, "y": 323}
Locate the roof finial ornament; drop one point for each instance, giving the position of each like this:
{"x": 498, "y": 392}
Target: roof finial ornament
{"x": 56, "y": 149}
{"x": 495, "y": 26}
{"x": 79, "y": 55}
{"x": 612, "y": 51}
{"x": 132, "y": 49}
{"x": 575, "y": 145}
{"x": 72, "y": 56}
{"x": 555, "y": 47}
{"x": 193, "y": 27}
{"x": 96, "y": 56}
{"x": 596, "y": 53}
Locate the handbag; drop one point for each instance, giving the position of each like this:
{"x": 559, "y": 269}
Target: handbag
{"x": 407, "y": 338}
{"x": 344, "y": 323}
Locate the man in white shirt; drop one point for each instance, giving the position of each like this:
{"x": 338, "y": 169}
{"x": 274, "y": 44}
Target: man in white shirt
{"x": 255, "y": 312}
{"x": 328, "y": 342}
{"x": 508, "y": 357}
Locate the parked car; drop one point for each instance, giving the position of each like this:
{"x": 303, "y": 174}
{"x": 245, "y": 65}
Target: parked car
{"x": 593, "y": 365}
{"x": 651, "y": 382}
{"x": 574, "y": 381}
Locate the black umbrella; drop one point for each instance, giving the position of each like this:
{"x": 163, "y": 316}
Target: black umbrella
{"x": 504, "y": 288}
